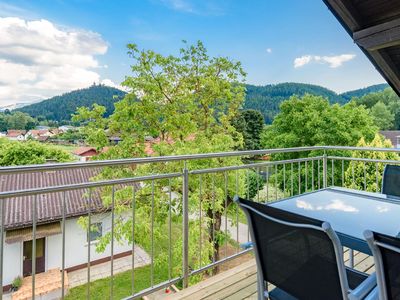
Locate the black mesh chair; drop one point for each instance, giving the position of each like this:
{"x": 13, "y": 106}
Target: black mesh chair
{"x": 386, "y": 251}
{"x": 300, "y": 256}
{"x": 391, "y": 181}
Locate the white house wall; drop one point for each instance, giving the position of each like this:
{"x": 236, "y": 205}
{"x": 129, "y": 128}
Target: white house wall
{"x": 12, "y": 262}
{"x": 76, "y": 249}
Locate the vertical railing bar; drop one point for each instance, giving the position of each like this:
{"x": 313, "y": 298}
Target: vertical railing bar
{"x": 352, "y": 171}
{"x": 63, "y": 247}
{"x": 2, "y": 213}
{"x": 112, "y": 242}
{"x": 291, "y": 180}
{"x": 376, "y": 177}
{"x": 258, "y": 183}
{"x": 299, "y": 179}
{"x": 333, "y": 171}
{"x": 319, "y": 174}
{"x": 226, "y": 212}
{"x": 306, "y": 176}
{"x": 342, "y": 172}
{"x": 133, "y": 235}
{"x": 237, "y": 210}
{"x": 34, "y": 204}
{"x": 284, "y": 179}
{"x": 276, "y": 182}
{"x": 365, "y": 176}
{"x": 312, "y": 175}
{"x": 213, "y": 216}
{"x": 89, "y": 244}
{"x": 200, "y": 217}
{"x": 152, "y": 235}
{"x": 267, "y": 167}
{"x": 248, "y": 197}
{"x": 325, "y": 170}
{"x": 185, "y": 208}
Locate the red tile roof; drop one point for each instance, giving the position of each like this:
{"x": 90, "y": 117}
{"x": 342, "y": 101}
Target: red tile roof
{"x": 82, "y": 150}
{"x": 18, "y": 211}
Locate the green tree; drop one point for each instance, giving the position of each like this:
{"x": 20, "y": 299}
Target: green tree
{"x": 19, "y": 120}
{"x": 26, "y": 153}
{"x": 311, "y": 121}
{"x": 382, "y": 116}
{"x": 250, "y": 124}
{"x": 368, "y": 176}
{"x": 187, "y": 101}
{"x": 387, "y": 97}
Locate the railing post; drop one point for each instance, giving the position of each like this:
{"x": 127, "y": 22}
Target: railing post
{"x": 325, "y": 170}
{"x": 185, "y": 200}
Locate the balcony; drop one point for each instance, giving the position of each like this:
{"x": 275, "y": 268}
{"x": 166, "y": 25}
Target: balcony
{"x": 128, "y": 237}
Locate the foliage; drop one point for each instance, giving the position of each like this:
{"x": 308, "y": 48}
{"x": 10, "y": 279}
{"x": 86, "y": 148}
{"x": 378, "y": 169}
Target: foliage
{"x": 382, "y": 116}
{"x": 71, "y": 136}
{"x": 364, "y": 91}
{"x": 16, "y": 283}
{"x": 16, "y": 120}
{"x": 60, "y": 108}
{"x": 29, "y": 152}
{"x": 389, "y": 98}
{"x": 363, "y": 176}
{"x": 188, "y": 102}
{"x": 311, "y": 120}
{"x": 254, "y": 183}
{"x": 250, "y": 124}
{"x": 267, "y": 99}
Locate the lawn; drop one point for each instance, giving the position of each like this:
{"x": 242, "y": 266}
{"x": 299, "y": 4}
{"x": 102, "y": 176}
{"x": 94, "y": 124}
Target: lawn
{"x": 122, "y": 285}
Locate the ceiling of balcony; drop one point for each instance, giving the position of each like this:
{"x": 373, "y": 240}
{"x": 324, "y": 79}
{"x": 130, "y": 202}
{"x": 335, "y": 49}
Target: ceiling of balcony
{"x": 374, "y": 26}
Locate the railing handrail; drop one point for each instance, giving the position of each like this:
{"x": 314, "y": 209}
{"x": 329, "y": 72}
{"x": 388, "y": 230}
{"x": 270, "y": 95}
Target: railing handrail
{"x": 171, "y": 158}
{"x": 143, "y": 160}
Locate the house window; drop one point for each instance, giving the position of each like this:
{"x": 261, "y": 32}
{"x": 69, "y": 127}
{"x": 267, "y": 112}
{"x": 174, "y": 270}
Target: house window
{"x": 96, "y": 231}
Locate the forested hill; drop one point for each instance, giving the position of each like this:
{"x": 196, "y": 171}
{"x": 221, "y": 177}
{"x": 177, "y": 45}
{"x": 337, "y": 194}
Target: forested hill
{"x": 60, "y": 108}
{"x": 267, "y": 98}
{"x": 362, "y": 92}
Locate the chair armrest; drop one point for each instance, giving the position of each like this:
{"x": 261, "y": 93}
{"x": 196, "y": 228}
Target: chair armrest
{"x": 374, "y": 295}
{"x": 364, "y": 288}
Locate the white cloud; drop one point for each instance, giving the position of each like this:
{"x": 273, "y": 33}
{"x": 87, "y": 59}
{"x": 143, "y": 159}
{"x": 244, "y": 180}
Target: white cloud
{"x": 204, "y": 8}
{"x": 109, "y": 82}
{"x": 39, "y": 59}
{"x": 269, "y": 50}
{"x": 301, "y": 61}
{"x": 333, "y": 61}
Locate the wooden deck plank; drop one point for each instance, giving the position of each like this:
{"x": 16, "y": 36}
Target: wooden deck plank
{"x": 239, "y": 290}
{"x": 241, "y": 282}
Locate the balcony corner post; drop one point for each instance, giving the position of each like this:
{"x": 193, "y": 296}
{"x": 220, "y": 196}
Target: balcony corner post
{"x": 185, "y": 207}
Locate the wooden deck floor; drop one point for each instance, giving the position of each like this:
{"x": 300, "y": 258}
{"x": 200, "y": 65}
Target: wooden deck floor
{"x": 240, "y": 282}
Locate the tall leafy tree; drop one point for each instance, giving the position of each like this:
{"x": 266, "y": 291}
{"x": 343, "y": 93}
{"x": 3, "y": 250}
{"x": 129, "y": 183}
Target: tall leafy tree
{"x": 250, "y": 124}
{"x": 368, "y": 176}
{"x": 382, "y": 116}
{"x": 311, "y": 121}
{"x": 188, "y": 102}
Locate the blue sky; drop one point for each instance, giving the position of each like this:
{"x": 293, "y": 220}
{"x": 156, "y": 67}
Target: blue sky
{"x": 276, "y": 40}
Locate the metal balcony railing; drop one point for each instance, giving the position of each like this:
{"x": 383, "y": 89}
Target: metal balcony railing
{"x": 288, "y": 172}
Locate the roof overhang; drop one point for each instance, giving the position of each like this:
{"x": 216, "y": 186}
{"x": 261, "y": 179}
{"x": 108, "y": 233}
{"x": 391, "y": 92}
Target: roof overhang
{"x": 374, "y": 26}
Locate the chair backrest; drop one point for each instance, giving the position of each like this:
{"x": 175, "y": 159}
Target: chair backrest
{"x": 299, "y": 255}
{"x": 391, "y": 180}
{"x": 386, "y": 251}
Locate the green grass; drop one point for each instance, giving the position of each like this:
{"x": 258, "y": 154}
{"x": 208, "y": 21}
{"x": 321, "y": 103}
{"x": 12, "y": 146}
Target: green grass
{"x": 122, "y": 285}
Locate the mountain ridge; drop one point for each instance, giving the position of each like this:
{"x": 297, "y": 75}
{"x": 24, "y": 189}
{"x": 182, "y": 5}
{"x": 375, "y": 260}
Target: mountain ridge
{"x": 266, "y": 99}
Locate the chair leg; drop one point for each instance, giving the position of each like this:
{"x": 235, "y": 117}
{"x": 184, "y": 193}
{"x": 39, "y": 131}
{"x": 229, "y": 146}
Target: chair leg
{"x": 261, "y": 290}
